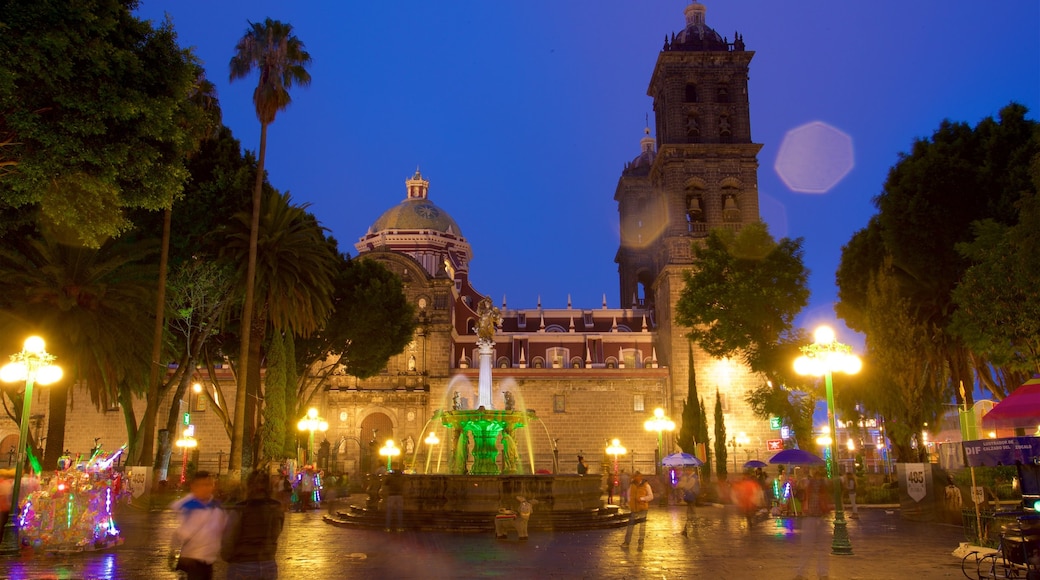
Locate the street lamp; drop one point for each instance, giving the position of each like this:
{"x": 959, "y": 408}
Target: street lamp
{"x": 312, "y": 422}
{"x": 32, "y": 365}
{"x": 659, "y": 423}
{"x": 389, "y": 451}
{"x": 615, "y": 448}
{"x": 821, "y": 358}
{"x": 430, "y": 441}
{"x": 739, "y": 440}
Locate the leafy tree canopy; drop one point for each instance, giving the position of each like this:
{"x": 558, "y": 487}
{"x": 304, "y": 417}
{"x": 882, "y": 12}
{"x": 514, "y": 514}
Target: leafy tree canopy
{"x": 94, "y": 114}
{"x": 742, "y": 298}
{"x": 372, "y": 320}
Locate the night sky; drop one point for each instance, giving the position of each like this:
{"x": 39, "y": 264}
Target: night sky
{"x": 523, "y": 114}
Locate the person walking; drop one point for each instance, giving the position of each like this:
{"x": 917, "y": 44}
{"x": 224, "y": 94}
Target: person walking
{"x": 639, "y": 497}
{"x": 690, "y": 484}
{"x": 251, "y": 535}
{"x": 624, "y": 482}
{"x": 394, "y": 486}
{"x": 813, "y": 527}
{"x": 198, "y": 536}
{"x": 850, "y": 488}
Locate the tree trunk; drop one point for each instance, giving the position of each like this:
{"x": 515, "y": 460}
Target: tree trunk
{"x": 143, "y": 454}
{"x": 57, "y": 404}
{"x": 238, "y": 432}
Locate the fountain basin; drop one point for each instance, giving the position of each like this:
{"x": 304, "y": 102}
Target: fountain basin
{"x": 469, "y": 503}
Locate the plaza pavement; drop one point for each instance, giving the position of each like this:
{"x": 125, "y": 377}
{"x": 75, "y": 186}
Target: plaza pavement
{"x": 884, "y": 547}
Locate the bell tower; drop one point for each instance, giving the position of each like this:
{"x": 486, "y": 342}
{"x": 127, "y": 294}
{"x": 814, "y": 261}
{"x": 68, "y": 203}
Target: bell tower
{"x": 702, "y": 175}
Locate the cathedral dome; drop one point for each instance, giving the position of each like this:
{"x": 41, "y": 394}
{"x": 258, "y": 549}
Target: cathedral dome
{"x": 641, "y": 164}
{"x": 697, "y": 35}
{"x": 416, "y": 212}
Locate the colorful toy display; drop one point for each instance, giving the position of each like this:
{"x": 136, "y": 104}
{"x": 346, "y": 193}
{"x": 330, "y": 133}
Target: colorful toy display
{"x": 72, "y": 512}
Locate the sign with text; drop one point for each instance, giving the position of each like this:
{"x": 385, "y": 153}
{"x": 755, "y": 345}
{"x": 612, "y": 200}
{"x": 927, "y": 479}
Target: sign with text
{"x": 915, "y": 482}
{"x": 1003, "y": 451}
{"x": 775, "y": 444}
{"x": 776, "y": 423}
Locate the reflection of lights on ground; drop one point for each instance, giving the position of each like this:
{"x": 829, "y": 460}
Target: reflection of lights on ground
{"x": 813, "y": 158}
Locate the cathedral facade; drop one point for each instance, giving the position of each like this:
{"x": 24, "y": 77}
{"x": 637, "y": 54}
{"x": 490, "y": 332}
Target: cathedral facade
{"x": 591, "y": 374}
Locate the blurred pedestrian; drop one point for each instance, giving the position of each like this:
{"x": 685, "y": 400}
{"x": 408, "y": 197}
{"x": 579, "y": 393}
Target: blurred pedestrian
{"x": 6, "y": 493}
{"x": 690, "y": 484}
{"x": 393, "y": 486}
{"x": 814, "y": 537}
{"x": 202, "y": 521}
{"x": 251, "y": 536}
{"x": 639, "y": 497}
{"x": 850, "y": 488}
{"x": 624, "y": 481}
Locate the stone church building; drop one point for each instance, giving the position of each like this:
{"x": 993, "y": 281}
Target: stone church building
{"x": 590, "y": 373}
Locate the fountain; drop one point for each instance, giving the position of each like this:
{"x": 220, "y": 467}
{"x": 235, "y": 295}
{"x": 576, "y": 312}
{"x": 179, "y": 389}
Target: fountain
{"x": 468, "y": 497}
{"x": 485, "y": 423}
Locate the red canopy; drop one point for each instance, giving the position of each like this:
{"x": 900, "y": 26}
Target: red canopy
{"x": 1020, "y": 409}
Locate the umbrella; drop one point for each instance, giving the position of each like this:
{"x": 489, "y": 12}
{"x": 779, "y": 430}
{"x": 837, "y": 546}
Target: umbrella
{"x": 754, "y": 463}
{"x": 681, "y": 460}
{"x": 795, "y": 457}
{"x": 1020, "y": 409}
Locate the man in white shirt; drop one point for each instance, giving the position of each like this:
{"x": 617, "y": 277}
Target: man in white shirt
{"x": 202, "y": 525}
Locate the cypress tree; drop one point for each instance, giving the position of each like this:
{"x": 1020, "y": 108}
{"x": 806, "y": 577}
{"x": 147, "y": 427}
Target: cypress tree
{"x": 274, "y": 400}
{"x": 720, "y": 438}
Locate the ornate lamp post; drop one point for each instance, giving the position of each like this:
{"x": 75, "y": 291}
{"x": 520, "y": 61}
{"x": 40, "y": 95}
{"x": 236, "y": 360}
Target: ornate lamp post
{"x": 659, "y": 423}
{"x": 312, "y": 422}
{"x": 32, "y": 365}
{"x": 430, "y": 441}
{"x": 389, "y": 451}
{"x": 615, "y": 448}
{"x": 822, "y": 358}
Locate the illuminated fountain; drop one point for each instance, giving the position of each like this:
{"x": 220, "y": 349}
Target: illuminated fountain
{"x": 485, "y": 423}
{"x": 471, "y": 493}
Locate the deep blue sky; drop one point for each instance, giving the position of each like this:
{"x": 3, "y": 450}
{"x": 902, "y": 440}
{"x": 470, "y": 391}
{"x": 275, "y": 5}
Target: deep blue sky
{"x": 522, "y": 114}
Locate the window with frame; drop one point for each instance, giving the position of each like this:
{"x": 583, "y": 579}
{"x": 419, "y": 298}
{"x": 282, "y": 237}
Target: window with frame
{"x": 559, "y": 404}
{"x": 637, "y": 403}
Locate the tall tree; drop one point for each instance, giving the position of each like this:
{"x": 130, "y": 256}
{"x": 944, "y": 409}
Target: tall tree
{"x": 203, "y": 125}
{"x": 930, "y": 199}
{"x": 279, "y": 57}
{"x": 78, "y": 159}
{"x": 741, "y": 299}
{"x": 293, "y": 282}
{"x": 998, "y": 311}
{"x": 275, "y": 425}
{"x": 721, "y": 454}
{"x": 372, "y": 320}
{"x": 691, "y": 413}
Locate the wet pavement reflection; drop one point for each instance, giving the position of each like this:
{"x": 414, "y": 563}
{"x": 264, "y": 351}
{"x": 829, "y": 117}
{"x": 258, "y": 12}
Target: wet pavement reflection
{"x": 721, "y": 544}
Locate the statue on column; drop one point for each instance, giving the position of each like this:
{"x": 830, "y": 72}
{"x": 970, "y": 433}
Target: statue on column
{"x": 488, "y": 318}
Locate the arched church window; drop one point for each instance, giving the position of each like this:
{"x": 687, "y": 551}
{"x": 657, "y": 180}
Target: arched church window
{"x": 691, "y": 93}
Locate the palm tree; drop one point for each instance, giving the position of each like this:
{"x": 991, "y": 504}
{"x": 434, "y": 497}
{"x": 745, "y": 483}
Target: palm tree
{"x": 274, "y": 51}
{"x": 93, "y": 307}
{"x": 294, "y": 277}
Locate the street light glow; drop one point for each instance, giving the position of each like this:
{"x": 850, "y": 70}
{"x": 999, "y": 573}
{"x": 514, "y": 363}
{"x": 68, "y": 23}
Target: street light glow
{"x": 31, "y": 365}
{"x": 821, "y": 359}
